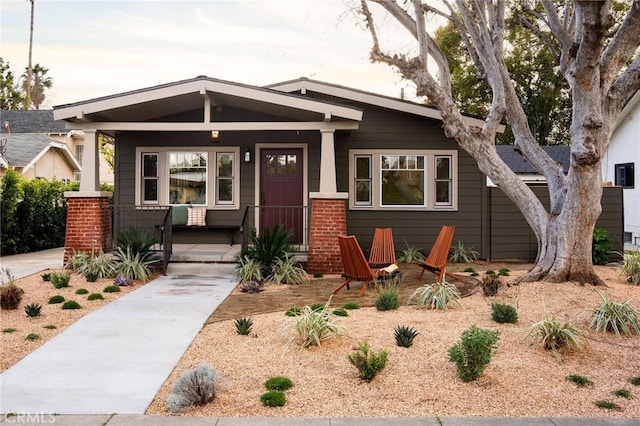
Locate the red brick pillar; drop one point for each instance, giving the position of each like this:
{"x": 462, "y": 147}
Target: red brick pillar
{"x": 328, "y": 221}
{"x": 88, "y": 224}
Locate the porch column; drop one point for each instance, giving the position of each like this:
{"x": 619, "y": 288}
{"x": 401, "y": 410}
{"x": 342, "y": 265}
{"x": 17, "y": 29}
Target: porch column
{"x": 90, "y": 177}
{"x": 88, "y": 227}
{"x": 327, "y": 163}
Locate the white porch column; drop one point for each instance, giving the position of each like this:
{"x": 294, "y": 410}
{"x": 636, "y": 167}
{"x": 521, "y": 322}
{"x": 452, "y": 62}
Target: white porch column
{"x": 327, "y": 163}
{"x": 90, "y": 177}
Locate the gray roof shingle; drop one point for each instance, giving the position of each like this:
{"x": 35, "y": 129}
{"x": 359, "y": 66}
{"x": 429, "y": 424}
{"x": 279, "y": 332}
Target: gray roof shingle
{"x": 21, "y": 148}
{"x": 31, "y": 121}
{"x": 518, "y": 164}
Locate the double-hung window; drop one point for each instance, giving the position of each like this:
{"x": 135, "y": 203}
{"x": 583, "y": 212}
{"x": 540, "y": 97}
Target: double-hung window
{"x": 625, "y": 175}
{"x": 197, "y": 176}
{"x": 403, "y": 179}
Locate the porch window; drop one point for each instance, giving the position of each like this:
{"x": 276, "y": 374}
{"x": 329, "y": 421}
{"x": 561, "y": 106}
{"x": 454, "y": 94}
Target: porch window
{"x": 150, "y": 178}
{"x": 225, "y": 178}
{"x": 403, "y": 180}
{"x": 625, "y": 175}
{"x": 188, "y": 178}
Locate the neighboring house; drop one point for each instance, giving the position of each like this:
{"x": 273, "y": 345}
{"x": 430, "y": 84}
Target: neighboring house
{"x": 619, "y": 164}
{"x": 321, "y": 159}
{"x": 42, "y": 121}
{"x": 516, "y": 162}
{"x": 37, "y": 156}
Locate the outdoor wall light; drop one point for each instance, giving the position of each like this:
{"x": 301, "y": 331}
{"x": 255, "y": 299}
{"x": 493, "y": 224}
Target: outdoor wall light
{"x": 215, "y": 136}
{"x": 247, "y": 155}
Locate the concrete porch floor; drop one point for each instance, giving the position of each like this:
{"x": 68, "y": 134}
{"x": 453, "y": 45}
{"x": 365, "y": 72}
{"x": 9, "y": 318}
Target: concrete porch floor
{"x": 211, "y": 253}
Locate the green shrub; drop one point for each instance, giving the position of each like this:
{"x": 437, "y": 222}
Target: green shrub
{"x": 32, "y": 337}
{"x": 469, "y": 269}
{"x": 311, "y": 327}
{"x": 317, "y": 306}
{"x": 60, "y": 279}
{"x": 555, "y": 334}
{"x": 46, "y": 277}
{"x": 473, "y": 352}
{"x": 410, "y": 254}
{"x": 270, "y": 245}
{"x": 368, "y": 363}
{"x": 273, "y": 398}
{"x": 608, "y": 405}
{"x": 9, "y": 330}
{"x": 436, "y": 295}
{"x": 111, "y": 289}
{"x": 622, "y": 393}
{"x": 33, "y": 310}
{"x": 71, "y": 304}
{"x": 388, "y": 299}
{"x": 49, "y": 327}
{"x": 631, "y": 267}
{"x": 91, "y": 277}
{"x": 82, "y": 291}
{"x": 248, "y": 270}
{"x": 243, "y": 326}
{"x": 340, "y": 312}
{"x": 10, "y": 296}
{"x": 351, "y": 305}
{"x": 293, "y": 311}
{"x": 278, "y": 383}
{"x": 285, "y": 270}
{"x": 136, "y": 243}
{"x": 95, "y": 296}
{"x": 56, "y": 299}
{"x": 462, "y": 254}
{"x": 194, "y": 387}
{"x": 404, "y": 336}
{"x": 580, "y": 381}
{"x": 635, "y": 381}
{"x": 318, "y": 275}
{"x": 618, "y": 318}
{"x": 504, "y": 272}
{"x": 600, "y": 246}
{"x": 502, "y": 313}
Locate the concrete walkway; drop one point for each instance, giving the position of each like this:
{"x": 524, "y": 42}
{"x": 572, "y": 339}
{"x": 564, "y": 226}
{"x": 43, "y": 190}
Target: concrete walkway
{"x": 115, "y": 359}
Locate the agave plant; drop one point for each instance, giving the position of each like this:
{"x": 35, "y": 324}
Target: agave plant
{"x": 137, "y": 241}
{"x": 410, "y": 254}
{"x": 133, "y": 265}
{"x": 268, "y": 246}
{"x": 243, "y": 326}
{"x": 436, "y": 295}
{"x": 404, "y": 335}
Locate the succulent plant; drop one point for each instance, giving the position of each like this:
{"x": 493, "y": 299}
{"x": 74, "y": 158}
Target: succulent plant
{"x": 122, "y": 281}
{"x": 251, "y": 287}
{"x": 404, "y": 335}
{"x": 243, "y": 326}
{"x": 33, "y": 309}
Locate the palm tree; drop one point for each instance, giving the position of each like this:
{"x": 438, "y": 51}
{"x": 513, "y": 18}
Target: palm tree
{"x": 40, "y": 83}
{"x": 29, "y": 68}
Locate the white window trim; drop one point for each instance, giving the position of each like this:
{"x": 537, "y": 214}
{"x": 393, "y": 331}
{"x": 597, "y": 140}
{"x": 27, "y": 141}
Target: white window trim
{"x": 163, "y": 173}
{"x": 430, "y": 159}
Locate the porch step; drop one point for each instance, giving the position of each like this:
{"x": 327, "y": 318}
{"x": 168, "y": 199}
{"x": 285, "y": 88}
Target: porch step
{"x": 201, "y": 269}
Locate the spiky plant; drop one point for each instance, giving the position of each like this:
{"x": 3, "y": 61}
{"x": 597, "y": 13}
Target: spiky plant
{"x": 410, "y": 254}
{"x": 555, "y": 334}
{"x": 77, "y": 261}
{"x": 285, "y": 270}
{"x": 388, "y": 299}
{"x": 436, "y": 295}
{"x": 33, "y": 310}
{"x": 243, "y": 326}
{"x": 631, "y": 267}
{"x": 133, "y": 265}
{"x": 463, "y": 254}
{"x": 248, "y": 269}
{"x": 404, "y": 335}
{"x": 311, "y": 327}
{"x": 616, "y": 317}
{"x": 137, "y": 241}
{"x": 10, "y": 296}
{"x": 91, "y": 277}
{"x": 270, "y": 245}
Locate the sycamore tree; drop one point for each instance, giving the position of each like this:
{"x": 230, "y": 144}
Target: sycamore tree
{"x": 598, "y": 56}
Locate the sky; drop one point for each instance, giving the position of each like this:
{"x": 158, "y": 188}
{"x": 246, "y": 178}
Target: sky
{"x": 99, "y": 48}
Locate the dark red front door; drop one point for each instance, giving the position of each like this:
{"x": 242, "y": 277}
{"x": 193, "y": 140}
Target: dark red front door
{"x": 281, "y": 189}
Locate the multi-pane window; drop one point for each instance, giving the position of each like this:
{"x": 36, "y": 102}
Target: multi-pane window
{"x": 402, "y": 180}
{"x": 625, "y": 175}
{"x": 149, "y": 178}
{"x": 362, "y": 180}
{"x": 225, "y": 178}
{"x": 187, "y": 177}
{"x": 414, "y": 179}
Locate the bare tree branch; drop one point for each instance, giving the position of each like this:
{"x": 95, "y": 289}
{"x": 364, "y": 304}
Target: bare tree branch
{"x": 556, "y": 26}
{"x": 541, "y": 35}
{"x": 625, "y": 86}
{"x": 623, "y": 45}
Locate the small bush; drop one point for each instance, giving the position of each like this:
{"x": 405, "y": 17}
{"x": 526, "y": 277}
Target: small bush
{"x": 317, "y": 306}
{"x": 437, "y": 295}
{"x": 194, "y": 387}
{"x": 504, "y": 272}
{"x": 71, "y": 304}
{"x": 368, "y": 363}
{"x": 10, "y": 296}
{"x": 469, "y": 269}
{"x": 608, "y": 405}
{"x": 293, "y": 311}
{"x": 555, "y": 334}
{"x": 243, "y": 326}
{"x": 91, "y": 276}
{"x": 388, "y": 300}
{"x": 463, "y": 254}
{"x": 619, "y": 318}
{"x": 248, "y": 269}
{"x": 318, "y": 275}
{"x": 502, "y": 313}
{"x": 580, "y": 381}
{"x": 9, "y": 330}
{"x": 410, "y": 254}
{"x": 136, "y": 266}
{"x": 404, "y": 336}
{"x": 50, "y": 327}
{"x": 32, "y": 337}
{"x": 273, "y": 398}
{"x": 82, "y": 291}
{"x": 622, "y": 393}
{"x": 95, "y": 296}
{"x": 285, "y": 270}
{"x": 340, "y": 312}
{"x": 351, "y": 305}
{"x": 600, "y": 246}
{"x": 490, "y": 283}
{"x": 473, "y": 352}
{"x": 312, "y": 327}
{"x": 46, "y": 277}
{"x": 60, "y": 279}
{"x": 635, "y": 381}
{"x": 56, "y": 299}
{"x": 631, "y": 267}
{"x": 278, "y": 383}
{"x": 111, "y": 289}
{"x": 33, "y": 310}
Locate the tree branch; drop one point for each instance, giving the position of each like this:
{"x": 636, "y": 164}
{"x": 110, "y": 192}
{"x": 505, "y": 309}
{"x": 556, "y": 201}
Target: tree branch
{"x": 623, "y": 45}
{"x": 556, "y": 25}
{"x": 541, "y": 35}
{"x": 624, "y": 87}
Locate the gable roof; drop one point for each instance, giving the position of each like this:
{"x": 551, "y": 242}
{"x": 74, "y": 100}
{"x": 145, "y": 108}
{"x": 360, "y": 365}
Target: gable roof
{"x": 516, "y": 162}
{"x": 155, "y": 102}
{"x": 25, "y": 149}
{"x": 30, "y": 121}
{"x": 304, "y": 84}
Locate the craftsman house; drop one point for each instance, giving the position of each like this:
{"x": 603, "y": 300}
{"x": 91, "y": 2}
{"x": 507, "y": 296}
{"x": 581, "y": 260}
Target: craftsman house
{"x": 205, "y": 160}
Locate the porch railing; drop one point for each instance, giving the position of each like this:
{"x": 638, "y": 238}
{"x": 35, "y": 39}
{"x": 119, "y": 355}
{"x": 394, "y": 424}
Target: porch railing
{"x": 295, "y": 219}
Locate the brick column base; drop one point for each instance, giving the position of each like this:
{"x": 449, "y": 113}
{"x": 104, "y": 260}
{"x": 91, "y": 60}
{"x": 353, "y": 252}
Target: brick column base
{"x": 328, "y": 221}
{"x": 88, "y": 225}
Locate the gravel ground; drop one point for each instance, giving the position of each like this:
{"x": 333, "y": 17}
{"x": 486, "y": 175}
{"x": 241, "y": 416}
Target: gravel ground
{"x": 522, "y": 379}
